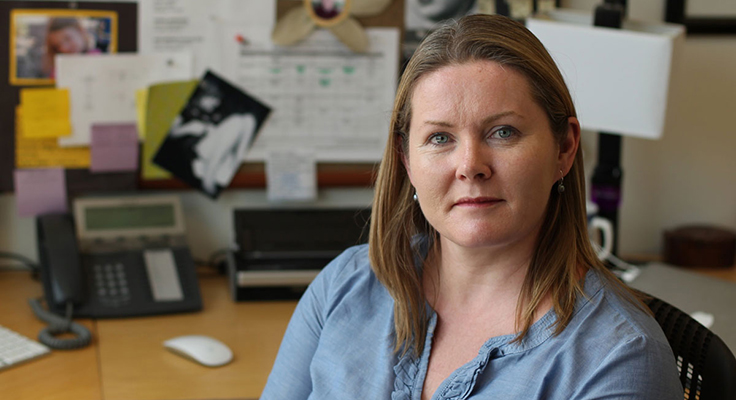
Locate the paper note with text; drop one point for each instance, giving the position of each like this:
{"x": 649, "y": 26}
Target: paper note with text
{"x": 103, "y": 87}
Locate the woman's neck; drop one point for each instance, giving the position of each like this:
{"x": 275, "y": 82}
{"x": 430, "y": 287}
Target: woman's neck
{"x": 479, "y": 280}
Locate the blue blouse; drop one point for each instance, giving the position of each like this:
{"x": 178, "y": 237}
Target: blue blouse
{"x": 339, "y": 345}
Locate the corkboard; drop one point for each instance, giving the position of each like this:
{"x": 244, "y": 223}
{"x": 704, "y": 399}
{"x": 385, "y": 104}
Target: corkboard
{"x": 127, "y": 14}
{"x": 251, "y": 175}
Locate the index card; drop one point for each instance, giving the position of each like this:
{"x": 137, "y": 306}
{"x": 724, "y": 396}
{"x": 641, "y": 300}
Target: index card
{"x": 291, "y": 175}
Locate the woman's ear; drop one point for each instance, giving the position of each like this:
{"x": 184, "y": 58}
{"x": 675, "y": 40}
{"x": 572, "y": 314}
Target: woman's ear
{"x": 569, "y": 146}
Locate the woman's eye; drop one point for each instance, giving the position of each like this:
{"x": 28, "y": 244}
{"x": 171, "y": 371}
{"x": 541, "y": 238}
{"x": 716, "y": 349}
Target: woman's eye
{"x": 504, "y": 133}
{"x": 439, "y": 138}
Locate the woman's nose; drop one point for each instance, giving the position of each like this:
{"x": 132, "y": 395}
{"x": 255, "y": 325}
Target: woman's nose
{"x": 474, "y": 162}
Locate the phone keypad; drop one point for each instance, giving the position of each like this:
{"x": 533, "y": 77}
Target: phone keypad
{"x": 111, "y": 283}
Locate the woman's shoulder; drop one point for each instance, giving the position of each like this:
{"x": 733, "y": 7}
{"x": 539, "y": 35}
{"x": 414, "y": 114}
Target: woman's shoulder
{"x": 353, "y": 260}
{"x": 350, "y": 273}
{"x": 625, "y": 348}
{"x": 610, "y": 305}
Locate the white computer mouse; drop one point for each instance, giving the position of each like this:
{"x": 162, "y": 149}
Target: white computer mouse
{"x": 205, "y": 350}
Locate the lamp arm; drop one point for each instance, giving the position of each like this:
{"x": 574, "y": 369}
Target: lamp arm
{"x": 607, "y": 175}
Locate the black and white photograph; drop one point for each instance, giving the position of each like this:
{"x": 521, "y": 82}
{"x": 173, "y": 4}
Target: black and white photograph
{"x": 426, "y": 14}
{"x": 421, "y": 16}
{"x": 208, "y": 140}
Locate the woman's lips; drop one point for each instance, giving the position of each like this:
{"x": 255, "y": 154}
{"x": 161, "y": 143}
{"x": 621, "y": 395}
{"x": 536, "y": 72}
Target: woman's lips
{"x": 478, "y": 201}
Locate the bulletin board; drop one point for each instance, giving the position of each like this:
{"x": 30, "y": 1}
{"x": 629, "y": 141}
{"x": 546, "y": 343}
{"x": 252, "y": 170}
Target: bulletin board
{"x": 249, "y": 175}
{"x": 127, "y": 39}
{"x": 252, "y": 175}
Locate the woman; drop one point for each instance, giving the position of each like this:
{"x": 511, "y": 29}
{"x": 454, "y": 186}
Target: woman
{"x": 479, "y": 280}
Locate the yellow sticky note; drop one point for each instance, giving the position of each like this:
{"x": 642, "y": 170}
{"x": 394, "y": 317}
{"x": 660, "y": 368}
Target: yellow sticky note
{"x": 141, "y": 100}
{"x": 45, "y": 113}
{"x": 45, "y": 152}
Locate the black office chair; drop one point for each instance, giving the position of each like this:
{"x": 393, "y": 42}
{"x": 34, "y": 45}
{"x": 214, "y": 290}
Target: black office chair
{"x": 707, "y": 367}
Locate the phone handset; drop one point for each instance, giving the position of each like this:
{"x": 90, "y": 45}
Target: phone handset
{"x": 61, "y": 273}
{"x": 61, "y": 267}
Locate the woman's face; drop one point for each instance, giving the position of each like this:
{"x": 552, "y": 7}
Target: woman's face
{"x": 481, "y": 155}
{"x": 67, "y": 40}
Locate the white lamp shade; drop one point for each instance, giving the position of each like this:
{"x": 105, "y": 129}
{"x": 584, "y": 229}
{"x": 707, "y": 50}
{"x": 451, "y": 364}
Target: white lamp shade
{"x": 618, "y": 78}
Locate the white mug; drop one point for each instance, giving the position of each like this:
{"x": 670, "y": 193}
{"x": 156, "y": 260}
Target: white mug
{"x": 600, "y": 231}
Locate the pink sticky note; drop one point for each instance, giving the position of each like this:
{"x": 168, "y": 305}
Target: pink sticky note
{"x": 114, "y": 147}
{"x": 40, "y": 191}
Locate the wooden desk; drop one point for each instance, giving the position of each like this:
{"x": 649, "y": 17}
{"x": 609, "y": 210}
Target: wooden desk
{"x": 127, "y": 359}
{"x": 728, "y": 273}
{"x": 60, "y": 375}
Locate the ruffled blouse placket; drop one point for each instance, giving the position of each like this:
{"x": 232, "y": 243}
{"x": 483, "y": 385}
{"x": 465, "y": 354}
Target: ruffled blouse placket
{"x": 411, "y": 371}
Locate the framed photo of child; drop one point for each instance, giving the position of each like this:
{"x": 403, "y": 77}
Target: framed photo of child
{"x": 38, "y": 35}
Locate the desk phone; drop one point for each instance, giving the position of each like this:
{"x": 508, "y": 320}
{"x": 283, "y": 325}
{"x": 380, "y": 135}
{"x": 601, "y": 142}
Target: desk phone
{"x": 118, "y": 257}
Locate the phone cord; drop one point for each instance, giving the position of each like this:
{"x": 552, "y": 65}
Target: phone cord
{"x": 59, "y": 325}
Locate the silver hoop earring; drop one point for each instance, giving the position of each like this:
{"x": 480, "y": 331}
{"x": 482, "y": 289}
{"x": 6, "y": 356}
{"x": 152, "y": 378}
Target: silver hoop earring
{"x": 561, "y": 184}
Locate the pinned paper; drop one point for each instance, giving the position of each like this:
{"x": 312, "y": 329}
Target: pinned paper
{"x": 45, "y": 152}
{"x": 164, "y": 103}
{"x": 40, "y": 191}
{"x": 291, "y": 175}
{"x": 102, "y": 87}
{"x": 46, "y": 113}
{"x": 114, "y": 147}
{"x": 141, "y": 98}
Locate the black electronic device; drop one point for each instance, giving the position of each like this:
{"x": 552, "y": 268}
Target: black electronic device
{"x": 280, "y": 251}
{"x": 125, "y": 257}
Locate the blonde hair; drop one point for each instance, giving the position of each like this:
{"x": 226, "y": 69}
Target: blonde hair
{"x": 563, "y": 243}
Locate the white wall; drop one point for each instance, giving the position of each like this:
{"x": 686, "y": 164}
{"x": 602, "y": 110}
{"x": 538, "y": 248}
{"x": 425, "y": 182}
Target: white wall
{"x": 689, "y": 176}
